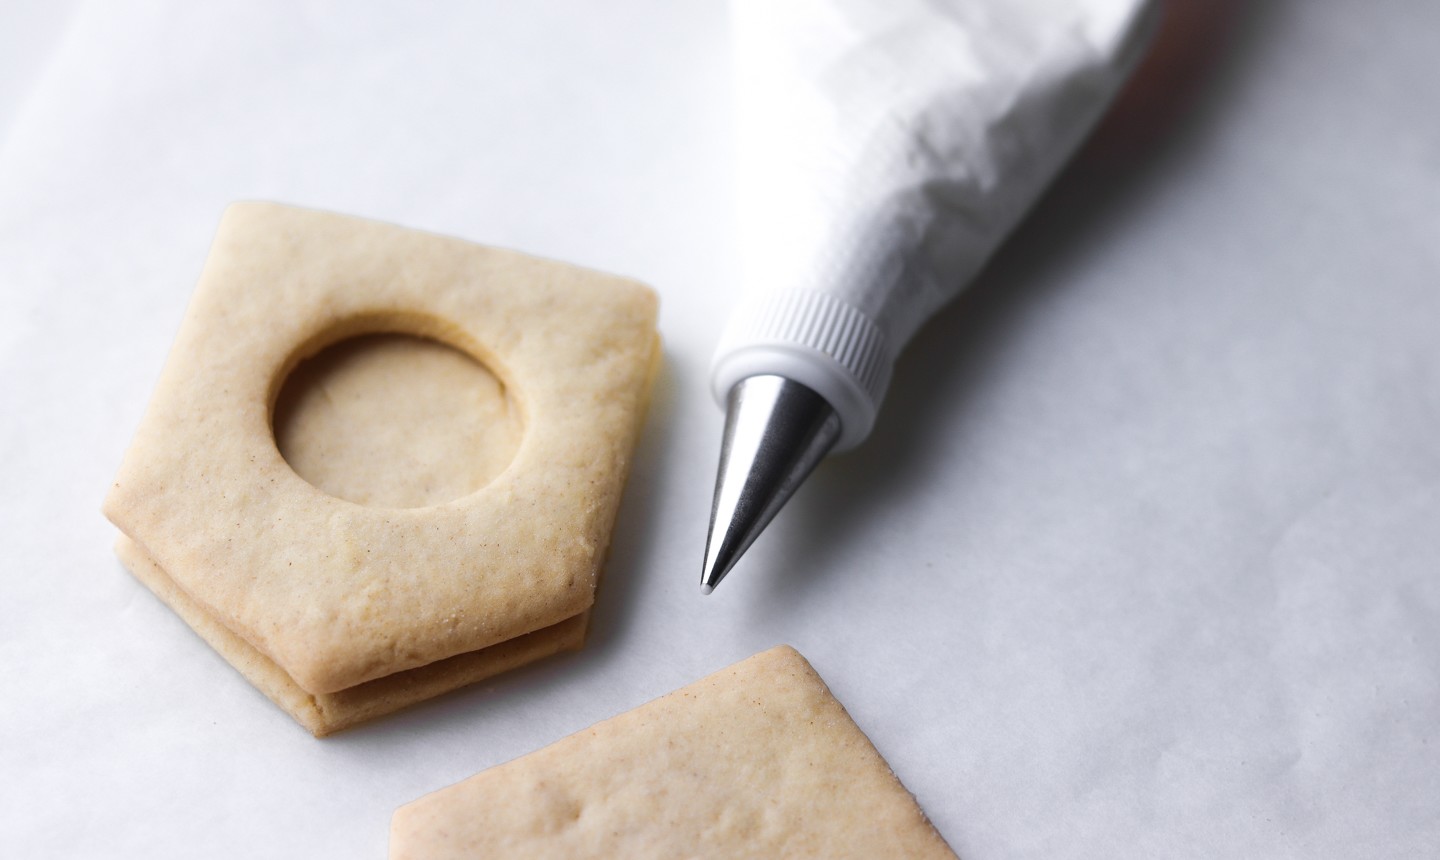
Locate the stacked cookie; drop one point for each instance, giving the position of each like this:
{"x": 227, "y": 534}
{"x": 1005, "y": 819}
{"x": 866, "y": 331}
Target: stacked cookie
{"x": 340, "y": 611}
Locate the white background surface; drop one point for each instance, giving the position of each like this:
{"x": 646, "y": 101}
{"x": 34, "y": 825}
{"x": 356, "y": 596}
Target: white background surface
{"x": 1141, "y": 560}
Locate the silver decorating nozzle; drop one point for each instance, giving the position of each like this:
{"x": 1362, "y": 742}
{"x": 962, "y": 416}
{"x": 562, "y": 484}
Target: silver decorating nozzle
{"x": 776, "y": 431}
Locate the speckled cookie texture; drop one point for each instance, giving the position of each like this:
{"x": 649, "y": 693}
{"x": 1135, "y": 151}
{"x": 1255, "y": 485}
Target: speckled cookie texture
{"x": 327, "y": 713}
{"x": 330, "y": 595}
{"x": 758, "y": 760}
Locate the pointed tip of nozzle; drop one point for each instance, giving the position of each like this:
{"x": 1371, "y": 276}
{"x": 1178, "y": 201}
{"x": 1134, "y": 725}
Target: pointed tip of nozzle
{"x": 776, "y": 431}
{"x": 718, "y": 562}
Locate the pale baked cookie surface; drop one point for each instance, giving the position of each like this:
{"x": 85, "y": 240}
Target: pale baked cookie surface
{"x": 332, "y": 593}
{"x": 395, "y": 421}
{"x": 326, "y": 713}
{"x": 757, "y": 760}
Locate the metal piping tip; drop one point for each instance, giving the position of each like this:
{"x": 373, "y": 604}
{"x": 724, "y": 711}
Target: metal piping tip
{"x": 776, "y": 431}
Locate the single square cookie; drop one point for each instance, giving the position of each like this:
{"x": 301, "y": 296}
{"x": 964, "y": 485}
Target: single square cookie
{"x": 758, "y": 760}
{"x": 334, "y": 594}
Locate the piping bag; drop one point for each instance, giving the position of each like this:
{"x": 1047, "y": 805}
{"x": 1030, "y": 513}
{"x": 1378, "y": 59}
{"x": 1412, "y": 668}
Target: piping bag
{"x": 885, "y": 150}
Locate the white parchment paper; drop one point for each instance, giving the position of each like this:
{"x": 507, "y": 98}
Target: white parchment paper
{"x": 1142, "y": 559}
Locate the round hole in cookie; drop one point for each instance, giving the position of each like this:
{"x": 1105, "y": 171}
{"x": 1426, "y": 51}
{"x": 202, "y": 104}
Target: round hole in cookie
{"x": 396, "y": 421}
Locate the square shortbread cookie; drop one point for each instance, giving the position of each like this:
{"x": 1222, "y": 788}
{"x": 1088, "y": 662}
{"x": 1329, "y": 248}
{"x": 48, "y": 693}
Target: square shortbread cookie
{"x": 758, "y": 760}
{"x": 331, "y": 598}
